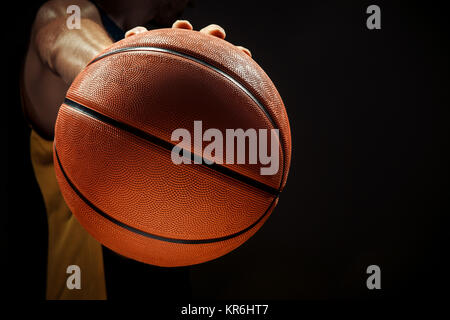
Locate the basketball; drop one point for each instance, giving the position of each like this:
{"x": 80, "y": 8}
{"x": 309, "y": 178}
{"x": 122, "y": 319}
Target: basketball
{"x": 172, "y": 147}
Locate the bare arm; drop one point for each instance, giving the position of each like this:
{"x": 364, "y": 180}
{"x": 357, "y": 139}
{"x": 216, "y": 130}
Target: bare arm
{"x": 67, "y": 51}
{"x": 56, "y": 54}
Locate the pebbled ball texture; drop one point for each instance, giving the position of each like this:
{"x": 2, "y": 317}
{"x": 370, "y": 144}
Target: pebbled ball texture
{"x": 124, "y": 189}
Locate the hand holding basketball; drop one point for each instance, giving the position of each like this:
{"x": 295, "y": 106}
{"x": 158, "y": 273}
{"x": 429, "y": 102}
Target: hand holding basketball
{"x": 212, "y": 29}
{"x": 118, "y": 130}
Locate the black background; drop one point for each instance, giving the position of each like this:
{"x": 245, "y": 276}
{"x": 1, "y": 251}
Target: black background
{"x": 368, "y": 182}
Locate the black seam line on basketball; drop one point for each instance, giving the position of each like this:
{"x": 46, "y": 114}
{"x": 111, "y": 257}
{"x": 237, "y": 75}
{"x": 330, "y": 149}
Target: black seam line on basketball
{"x": 151, "y": 235}
{"x": 169, "y": 146}
{"x": 189, "y": 57}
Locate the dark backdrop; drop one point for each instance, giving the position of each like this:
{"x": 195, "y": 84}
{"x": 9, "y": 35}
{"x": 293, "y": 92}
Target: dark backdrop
{"x": 368, "y": 182}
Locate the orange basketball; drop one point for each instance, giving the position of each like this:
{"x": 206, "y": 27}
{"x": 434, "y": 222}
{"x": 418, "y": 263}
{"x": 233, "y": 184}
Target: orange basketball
{"x": 114, "y": 147}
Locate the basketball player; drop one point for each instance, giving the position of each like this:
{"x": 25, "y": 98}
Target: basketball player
{"x": 55, "y": 56}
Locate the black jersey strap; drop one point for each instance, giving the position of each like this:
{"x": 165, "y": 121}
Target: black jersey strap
{"x": 114, "y": 31}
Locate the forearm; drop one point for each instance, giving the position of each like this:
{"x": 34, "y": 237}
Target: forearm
{"x": 67, "y": 51}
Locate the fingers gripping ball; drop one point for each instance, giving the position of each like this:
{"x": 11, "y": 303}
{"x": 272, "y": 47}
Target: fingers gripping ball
{"x": 113, "y": 147}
